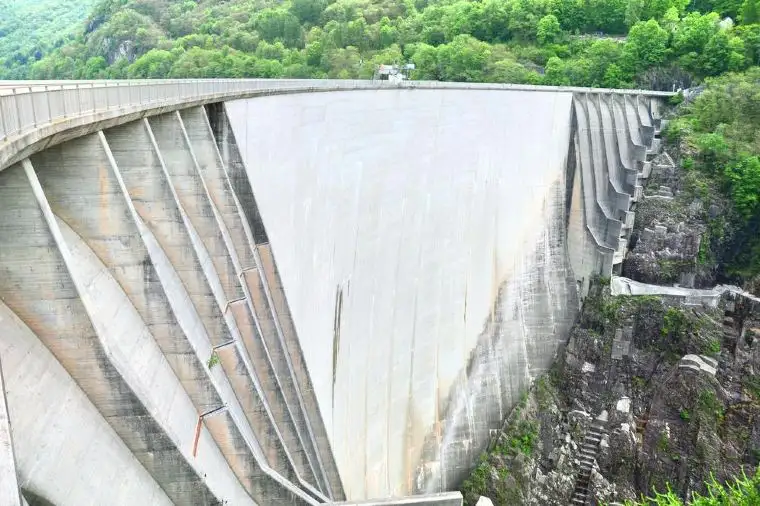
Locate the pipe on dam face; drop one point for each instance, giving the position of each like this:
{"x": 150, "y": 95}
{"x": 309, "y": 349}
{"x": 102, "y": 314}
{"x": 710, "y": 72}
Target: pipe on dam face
{"x": 344, "y": 292}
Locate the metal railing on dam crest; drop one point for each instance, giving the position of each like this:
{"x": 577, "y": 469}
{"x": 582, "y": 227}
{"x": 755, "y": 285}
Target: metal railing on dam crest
{"x": 35, "y": 114}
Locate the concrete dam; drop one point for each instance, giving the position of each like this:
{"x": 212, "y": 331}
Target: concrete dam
{"x": 292, "y": 292}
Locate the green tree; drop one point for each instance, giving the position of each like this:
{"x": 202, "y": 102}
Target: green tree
{"x": 510, "y": 71}
{"x": 613, "y": 77}
{"x": 601, "y": 55}
{"x": 308, "y": 11}
{"x": 95, "y": 68}
{"x": 750, "y": 35}
{"x": 671, "y": 19}
{"x": 750, "y": 12}
{"x": 495, "y": 21}
{"x": 267, "y": 51}
{"x": 713, "y": 151}
{"x": 279, "y": 24}
{"x": 343, "y": 63}
{"x": 633, "y": 12}
{"x": 723, "y": 52}
{"x": 647, "y": 45}
{"x": 524, "y": 16}
{"x": 571, "y": 15}
{"x": 548, "y": 29}
{"x": 156, "y": 63}
{"x": 744, "y": 178}
{"x": 608, "y": 16}
{"x": 425, "y": 59}
{"x": 554, "y": 73}
{"x": 463, "y": 59}
{"x": 270, "y": 69}
{"x": 730, "y": 8}
{"x": 656, "y": 9}
{"x": 693, "y": 32}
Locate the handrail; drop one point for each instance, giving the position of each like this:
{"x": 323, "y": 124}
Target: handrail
{"x": 28, "y": 106}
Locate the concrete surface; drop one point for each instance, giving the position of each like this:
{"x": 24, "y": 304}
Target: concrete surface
{"x": 401, "y": 204}
{"x": 442, "y": 499}
{"x": 293, "y": 297}
{"x": 709, "y": 297}
{"x": 37, "y": 115}
{"x": 10, "y": 494}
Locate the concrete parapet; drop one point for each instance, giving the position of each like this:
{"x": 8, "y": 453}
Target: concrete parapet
{"x": 40, "y": 114}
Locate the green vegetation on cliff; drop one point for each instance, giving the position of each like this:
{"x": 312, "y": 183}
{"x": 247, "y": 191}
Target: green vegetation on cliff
{"x": 744, "y": 491}
{"x": 718, "y": 138}
{"x": 31, "y": 28}
{"x": 610, "y": 43}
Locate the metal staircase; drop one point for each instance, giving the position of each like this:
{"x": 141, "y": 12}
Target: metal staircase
{"x": 587, "y": 456}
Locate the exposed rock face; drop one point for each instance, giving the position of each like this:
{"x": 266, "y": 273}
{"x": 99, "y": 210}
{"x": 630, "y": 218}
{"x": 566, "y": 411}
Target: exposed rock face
{"x": 681, "y": 400}
{"x": 667, "y": 242}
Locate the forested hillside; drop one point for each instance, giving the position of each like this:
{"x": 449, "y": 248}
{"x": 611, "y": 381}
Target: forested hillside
{"x": 30, "y": 28}
{"x": 611, "y": 43}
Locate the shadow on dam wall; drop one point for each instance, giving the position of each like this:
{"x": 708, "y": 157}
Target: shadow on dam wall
{"x": 302, "y": 298}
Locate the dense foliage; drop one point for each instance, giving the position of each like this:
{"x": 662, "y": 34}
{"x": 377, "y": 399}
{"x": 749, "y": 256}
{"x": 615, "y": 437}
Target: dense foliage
{"x": 745, "y": 491}
{"x": 611, "y": 43}
{"x": 30, "y": 28}
{"x": 719, "y": 137}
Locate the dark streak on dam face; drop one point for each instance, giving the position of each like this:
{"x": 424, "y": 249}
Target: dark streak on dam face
{"x": 356, "y": 287}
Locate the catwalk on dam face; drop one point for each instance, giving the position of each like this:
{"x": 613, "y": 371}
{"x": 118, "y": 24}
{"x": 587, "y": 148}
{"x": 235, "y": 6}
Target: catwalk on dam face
{"x": 301, "y": 298}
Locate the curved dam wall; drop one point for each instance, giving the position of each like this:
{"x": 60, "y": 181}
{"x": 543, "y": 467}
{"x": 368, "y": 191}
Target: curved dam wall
{"x": 420, "y": 239}
{"x": 302, "y": 298}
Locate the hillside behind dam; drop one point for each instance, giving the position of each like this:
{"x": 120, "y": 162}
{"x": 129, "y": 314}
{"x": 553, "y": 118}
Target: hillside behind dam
{"x": 304, "y": 297}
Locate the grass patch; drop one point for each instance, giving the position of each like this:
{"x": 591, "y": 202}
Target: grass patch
{"x": 709, "y": 408}
{"x": 743, "y": 491}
